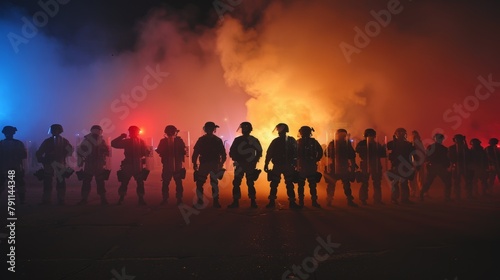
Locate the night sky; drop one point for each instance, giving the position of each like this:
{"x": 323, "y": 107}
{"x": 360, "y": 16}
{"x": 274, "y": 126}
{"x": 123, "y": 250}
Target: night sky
{"x": 299, "y": 62}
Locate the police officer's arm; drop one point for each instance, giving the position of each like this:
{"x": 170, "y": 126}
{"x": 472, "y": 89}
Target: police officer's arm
{"x": 222, "y": 152}
{"x": 22, "y": 150}
{"x": 351, "y": 154}
{"x": 118, "y": 142}
{"x": 258, "y": 150}
{"x": 319, "y": 150}
{"x": 81, "y": 151}
{"x": 269, "y": 154}
{"x": 294, "y": 149}
{"x": 381, "y": 151}
{"x": 144, "y": 149}
{"x": 331, "y": 149}
{"x": 196, "y": 153}
{"x": 68, "y": 148}
{"x": 233, "y": 150}
{"x": 182, "y": 146}
{"x": 41, "y": 151}
{"x": 161, "y": 147}
{"x": 105, "y": 149}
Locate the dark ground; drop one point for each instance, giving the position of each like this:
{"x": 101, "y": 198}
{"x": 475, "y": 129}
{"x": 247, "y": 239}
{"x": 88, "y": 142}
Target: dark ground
{"x": 429, "y": 240}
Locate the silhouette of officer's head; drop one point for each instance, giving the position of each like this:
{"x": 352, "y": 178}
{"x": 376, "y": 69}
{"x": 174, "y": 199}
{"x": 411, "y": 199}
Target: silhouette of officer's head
{"x": 306, "y": 131}
{"x": 439, "y": 138}
{"x": 210, "y": 128}
{"x": 134, "y": 131}
{"x": 282, "y": 129}
{"x": 459, "y": 139}
{"x": 171, "y": 130}
{"x": 493, "y": 141}
{"x": 9, "y": 132}
{"x": 474, "y": 142}
{"x": 96, "y": 130}
{"x": 400, "y": 134}
{"x": 341, "y": 134}
{"x": 56, "y": 129}
{"x": 370, "y": 134}
{"x": 246, "y": 128}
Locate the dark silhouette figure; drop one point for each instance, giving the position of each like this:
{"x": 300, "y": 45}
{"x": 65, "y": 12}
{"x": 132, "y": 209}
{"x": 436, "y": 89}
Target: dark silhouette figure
{"x": 370, "y": 152}
{"x": 493, "y": 153}
{"x": 458, "y": 154}
{"x": 438, "y": 164}
{"x": 135, "y": 151}
{"x": 210, "y": 149}
{"x": 402, "y": 171}
{"x": 478, "y": 166}
{"x": 172, "y": 151}
{"x": 52, "y": 153}
{"x": 245, "y": 152}
{"x": 282, "y": 152}
{"x": 92, "y": 153}
{"x": 418, "y": 164}
{"x": 342, "y": 167}
{"x": 308, "y": 155}
{"x": 12, "y": 154}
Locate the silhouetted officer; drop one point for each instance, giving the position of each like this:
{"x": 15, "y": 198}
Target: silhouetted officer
{"x": 308, "y": 155}
{"x": 172, "y": 151}
{"x": 52, "y": 154}
{"x": 92, "y": 153}
{"x": 438, "y": 164}
{"x": 210, "y": 149}
{"x": 493, "y": 153}
{"x": 370, "y": 152}
{"x": 401, "y": 168}
{"x": 245, "y": 152}
{"x": 458, "y": 154}
{"x": 12, "y": 154}
{"x": 282, "y": 152}
{"x": 342, "y": 167}
{"x": 135, "y": 151}
{"x": 478, "y": 166}
{"x": 418, "y": 164}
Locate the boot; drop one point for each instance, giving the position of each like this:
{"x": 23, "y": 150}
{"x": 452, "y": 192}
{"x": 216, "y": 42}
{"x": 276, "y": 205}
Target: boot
{"x": 271, "y": 204}
{"x": 104, "y": 201}
{"x": 164, "y": 201}
{"x": 301, "y": 202}
{"x": 141, "y": 201}
{"x": 216, "y": 203}
{"x": 329, "y": 201}
{"x": 253, "y": 204}
{"x": 83, "y": 201}
{"x": 351, "y": 203}
{"x": 294, "y": 205}
{"x": 235, "y": 204}
{"x": 315, "y": 204}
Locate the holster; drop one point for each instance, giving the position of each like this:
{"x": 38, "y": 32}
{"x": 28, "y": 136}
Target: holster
{"x": 68, "y": 172}
{"x": 40, "y": 174}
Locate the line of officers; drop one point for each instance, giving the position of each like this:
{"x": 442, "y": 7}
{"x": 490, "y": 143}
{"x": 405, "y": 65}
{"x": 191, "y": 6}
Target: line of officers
{"x": 294, "y": 160}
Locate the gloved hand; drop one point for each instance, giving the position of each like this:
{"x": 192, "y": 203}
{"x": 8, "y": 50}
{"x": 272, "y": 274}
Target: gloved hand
{"x": 266, "y": 167}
